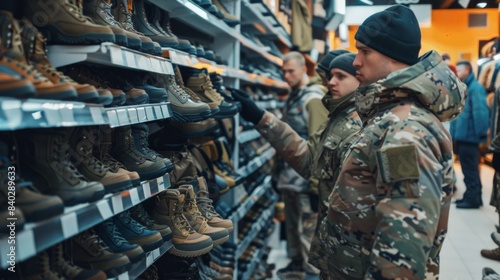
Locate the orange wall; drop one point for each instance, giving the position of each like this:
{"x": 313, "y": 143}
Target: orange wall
{"x": 449, "y": 33}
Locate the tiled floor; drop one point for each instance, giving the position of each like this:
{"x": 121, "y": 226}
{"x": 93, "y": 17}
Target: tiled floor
{"x": 469, "y": 232}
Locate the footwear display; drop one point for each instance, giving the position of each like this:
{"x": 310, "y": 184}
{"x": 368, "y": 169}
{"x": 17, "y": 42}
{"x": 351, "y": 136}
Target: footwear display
{"x": 491, "y": 254}
{"x": 114, "y": 241}
{"x": 187, "y": 242}
{"x": 118, "y": 119}
{"x": 136, "y": 233}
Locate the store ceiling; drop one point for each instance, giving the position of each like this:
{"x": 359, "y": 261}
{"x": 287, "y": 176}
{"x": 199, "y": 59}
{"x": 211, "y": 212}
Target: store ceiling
{"x": 436, "y": 4}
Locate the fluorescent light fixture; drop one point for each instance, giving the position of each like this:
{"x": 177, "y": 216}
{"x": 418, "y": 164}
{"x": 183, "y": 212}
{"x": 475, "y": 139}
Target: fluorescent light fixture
{"x": 367, "y": 2}
{"x": 481, "y": 4}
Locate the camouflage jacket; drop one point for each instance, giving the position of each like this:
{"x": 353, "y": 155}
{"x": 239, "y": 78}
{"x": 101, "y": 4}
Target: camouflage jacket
{"x": 317, "y": 158}
{"x": 389, "y": 208}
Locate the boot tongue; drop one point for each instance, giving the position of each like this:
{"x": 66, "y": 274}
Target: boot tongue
{"x": 39, "y": 56}
{"x": 202, "y": 187}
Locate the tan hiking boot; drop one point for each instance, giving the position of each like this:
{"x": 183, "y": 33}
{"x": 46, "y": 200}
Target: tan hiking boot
{"x": 229, "y": 18}
{"x": 207, "y": 209}
{"x": 214, "y": 108}
{"x": 63, "y": 23}
{"x": 187, "y": 242}
{"x": 35, "y": 47}
{"x": 121, "y": 13}
{"x": 15, "y": 59}
{"x": 197, "y": 220}
{"x": 100, "y": 12}
{"x": 82, "y": 142}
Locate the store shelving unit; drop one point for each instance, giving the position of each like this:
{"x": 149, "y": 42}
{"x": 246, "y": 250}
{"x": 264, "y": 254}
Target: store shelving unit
{"x": 43, "y": 113}
{"x": 37, "y": 237}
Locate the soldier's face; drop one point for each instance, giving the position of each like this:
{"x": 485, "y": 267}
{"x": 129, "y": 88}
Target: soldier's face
{"x": 293, "y": 72}
{"x": 341, "y": 83}
{"x": 371, "y": 64}
{"x": 462, "y": 72}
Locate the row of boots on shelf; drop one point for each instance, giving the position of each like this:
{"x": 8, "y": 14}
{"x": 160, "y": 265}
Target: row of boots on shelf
{"x": 184, "y": 216}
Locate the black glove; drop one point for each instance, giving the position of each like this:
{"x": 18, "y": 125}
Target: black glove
{"x": 314, "y": 200}
{"x": 249, "y": 110}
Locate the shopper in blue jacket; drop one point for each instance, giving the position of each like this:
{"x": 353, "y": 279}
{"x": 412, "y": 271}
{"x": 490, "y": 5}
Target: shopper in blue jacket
{"x": 468, "y": 131}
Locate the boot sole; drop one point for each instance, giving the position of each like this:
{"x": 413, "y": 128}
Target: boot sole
{"x": 118, "y": 187}
{"x": 153, "y": 174}
{"x": 25, "y": 91}
{"x": 54, "y": 35}
{"x": 43, "y": 214}
{"x": 62, "y": 95}
{"x": 152, "y": 246}
{"x": 117, "y": 270}
{"x": 220, "y": 240}
{"x": 189, "y": 254}
{"x": 191, "y": 118}
{"x": 134, "y": 43}
{"x": 79, "y": 199}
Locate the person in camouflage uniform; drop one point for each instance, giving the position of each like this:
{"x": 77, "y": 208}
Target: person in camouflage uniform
{"x": 319, "y": 156}
{"x": 388, "y": 212}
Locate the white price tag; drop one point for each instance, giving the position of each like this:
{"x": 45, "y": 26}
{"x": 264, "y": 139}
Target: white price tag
{"x": 132, "y": 114}
{"x": 117, "y": 203}
{"x": 122, "y": 116}
{"x": 96, "y": 114}
{"x": 149, "y": 113}
{"x": 158, "y": 113}
{"x": 113, "y": 118}
{"x": 174, "y": 57}
{"x": 131, "y": 59}
{"x": 104, "y": 209}
{"x": 141, "y": 115}
{"x": 69, "y": 223}
{"x": 156, "y": 64}
{"x": 116, "y": 55}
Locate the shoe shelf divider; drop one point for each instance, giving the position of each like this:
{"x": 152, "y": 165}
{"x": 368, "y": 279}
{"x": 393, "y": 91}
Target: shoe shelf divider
{"x": 248, "y": 135}
{"x": 151, "y": 257}
{"x": 265, "y": 215}
{"x": 250, "y": 201}
{"x": 257, "y": 162}
{"x": 184, "y": 59}
{"x": 44, "y": 113}
{"x": 108, "y": 54}
{"x": 258, "y": 12}
{"x": 37, "y": 237}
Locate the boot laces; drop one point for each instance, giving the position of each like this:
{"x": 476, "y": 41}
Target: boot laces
{"x": 144, "y": 143}
{"x": 72, "y": 7}
{"x": 143, "y": 216}
{"x": 85, "y": 146}
{"x": 116, "y": 235}
{"x": 208, "y": 86}
{"x": 180, "y": 220}
{"x": 131, "y": 222}
{"x": 106, "y": 11}
{"x": 61, "y": 159}
{"x": 66, "y": 269}
{"x": 206, "y": 205}
{"x": 93, "y": 242}
{"x": 177, "y": 90}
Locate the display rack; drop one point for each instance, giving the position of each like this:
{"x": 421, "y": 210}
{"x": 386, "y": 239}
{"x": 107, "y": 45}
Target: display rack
{"x": 37, "y": 237}
{"x": 248, "y": 135}
{"x": 251, "y": 200}
{"x": 44, "y": 113}
{"x": 257, "y": 162}
{"x": 141, "y": 266}
{"x": 108, "y": 54}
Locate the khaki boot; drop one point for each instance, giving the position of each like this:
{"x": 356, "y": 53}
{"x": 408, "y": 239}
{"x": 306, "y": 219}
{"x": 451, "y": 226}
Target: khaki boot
{"x": 197, "y": 220}
{"x": 142, "y": 24}
{"x": 124, "y": 151}
{"x": 214, "y": 108}
{"x": 88, "y": 252}
{"x": 101, "y": 150}
{"x": 63, "y": 23}
{"x": 120, "y": 12}
{"x": 38, "y": 267}
{"x": 35, "y": 47}
{"x": 44, "y": 159}
{"x": 199, "y": 82}
{"x": 67, "y": 270}
{"x": 100, "y": 12}
{"x": 184, "y": 109}
{"x": 229, "y": 18}
{"x": 15, "y": 59}
{"x": 187, "y": 242}
{"x": 81, "y": 153}
{"x": 207, "y": 209}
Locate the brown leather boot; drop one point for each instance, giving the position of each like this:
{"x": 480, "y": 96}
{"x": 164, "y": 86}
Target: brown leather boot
{"x": 491, "y": 254}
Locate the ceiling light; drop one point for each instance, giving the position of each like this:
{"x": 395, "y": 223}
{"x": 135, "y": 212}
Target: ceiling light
{"x": 481, "y": 4}
{"x": 367, "y": 2}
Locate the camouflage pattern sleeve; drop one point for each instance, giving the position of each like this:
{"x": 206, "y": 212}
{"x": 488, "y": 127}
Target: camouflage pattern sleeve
{"x": 296, "y": 151}
{"x": 408, "y": 181}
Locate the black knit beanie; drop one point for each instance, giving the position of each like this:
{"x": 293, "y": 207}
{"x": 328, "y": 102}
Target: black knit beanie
{"x": 393, "y": 32}
{"x": 325, "y": 62}
{"x": 344, "y": 62}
